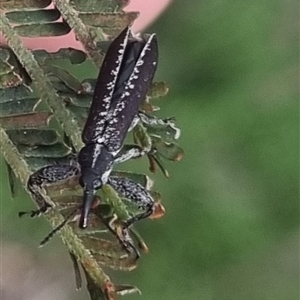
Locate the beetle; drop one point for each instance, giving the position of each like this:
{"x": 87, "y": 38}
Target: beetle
{"x": 123, "y": 81}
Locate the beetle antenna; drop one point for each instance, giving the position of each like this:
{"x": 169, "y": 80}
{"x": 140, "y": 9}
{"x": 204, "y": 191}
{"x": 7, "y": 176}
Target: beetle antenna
{"x": 35, "y": 213}
{"x": 57, "y": 228}
{"x": 32, "y": 213}
{"x": 78, "y": 279}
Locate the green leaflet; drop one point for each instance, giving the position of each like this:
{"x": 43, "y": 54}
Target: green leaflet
{"x": 107, "y": 6}
{"x": 35, "y": 16}
{"x": 19, "y": 4}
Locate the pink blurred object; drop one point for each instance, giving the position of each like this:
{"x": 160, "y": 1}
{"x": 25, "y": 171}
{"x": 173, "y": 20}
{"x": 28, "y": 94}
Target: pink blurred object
{"x": 149, "y": 11}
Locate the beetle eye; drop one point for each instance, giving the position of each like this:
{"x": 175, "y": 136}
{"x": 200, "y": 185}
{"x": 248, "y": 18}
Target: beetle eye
{"x": 97, "y": 184}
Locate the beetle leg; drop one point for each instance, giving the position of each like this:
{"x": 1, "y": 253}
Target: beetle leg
{"x": 116, "y": 228}
{"x": 128, "y": 152}
{"x": 134, "y": 122}
{"x": 154, "y": 121}
{"x": 135, "y": 193}
{"x": 43, "y": 176}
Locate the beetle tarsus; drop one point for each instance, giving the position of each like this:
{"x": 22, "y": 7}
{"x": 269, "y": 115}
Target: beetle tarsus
{"x": 121, "y": 231}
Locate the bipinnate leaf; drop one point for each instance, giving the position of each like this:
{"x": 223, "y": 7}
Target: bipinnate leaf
{"x": 43, "y": 108}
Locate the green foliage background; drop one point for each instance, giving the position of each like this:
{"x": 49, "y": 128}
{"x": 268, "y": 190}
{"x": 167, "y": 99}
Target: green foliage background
{"x": 231, "y": 227}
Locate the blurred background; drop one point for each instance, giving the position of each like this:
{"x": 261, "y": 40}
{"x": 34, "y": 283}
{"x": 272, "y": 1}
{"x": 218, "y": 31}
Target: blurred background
{"x": 231, "y": 227}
